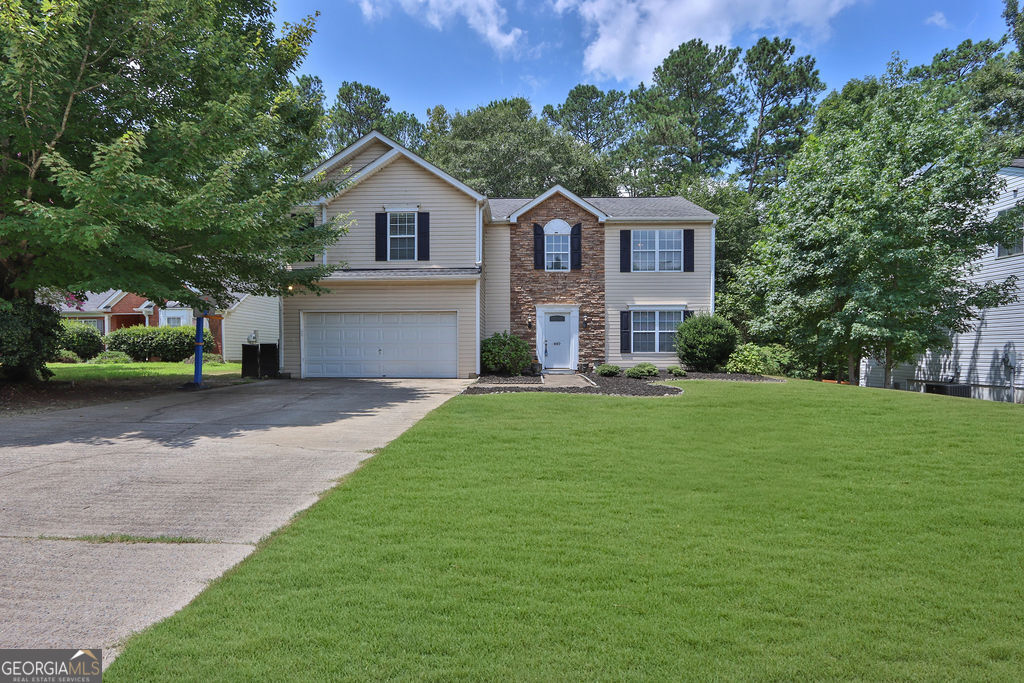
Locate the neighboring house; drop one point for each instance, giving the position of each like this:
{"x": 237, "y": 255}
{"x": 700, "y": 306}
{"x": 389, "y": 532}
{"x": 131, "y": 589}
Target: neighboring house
{"x": 977, "y": 358}
{"x": 251, "y": 317}
{"x": 431, "y": 266}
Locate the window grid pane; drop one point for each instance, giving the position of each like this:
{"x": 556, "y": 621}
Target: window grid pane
{"x": 556, "y": 252}
{"x": 655, "y": 331}
{"x": 403, "y": 248}
{"x": 645, "y": 250}
{"x": 403, "y": 224}
{"x": 657, "y": 250}
{"x": 402, "y": 236}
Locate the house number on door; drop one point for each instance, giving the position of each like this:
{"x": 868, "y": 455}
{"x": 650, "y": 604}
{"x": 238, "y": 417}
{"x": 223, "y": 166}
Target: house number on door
{"x": 556, "y": 343}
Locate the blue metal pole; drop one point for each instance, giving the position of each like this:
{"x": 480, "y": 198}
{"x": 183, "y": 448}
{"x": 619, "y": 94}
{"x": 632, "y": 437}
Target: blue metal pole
{"x": 198, "y": 378}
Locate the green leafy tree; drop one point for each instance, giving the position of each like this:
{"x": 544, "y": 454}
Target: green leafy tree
{"x": 153, "y": 147}
{"x": 694, "y": 111}
{"x": 596, "y": 118}
{"x": 782, "y": 94}
{"x": 503, "y": 149}
{"x": 359, "y": 109}
{"x": 877, "y": 254}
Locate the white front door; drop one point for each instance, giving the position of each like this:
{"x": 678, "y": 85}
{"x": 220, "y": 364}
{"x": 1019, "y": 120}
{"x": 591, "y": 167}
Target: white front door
{"x": 558, "y": 334}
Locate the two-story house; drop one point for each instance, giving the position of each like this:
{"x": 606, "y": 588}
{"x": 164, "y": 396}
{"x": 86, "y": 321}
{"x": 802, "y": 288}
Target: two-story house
{"x": 980, "y": 357}
{"x": 430, "y": 267}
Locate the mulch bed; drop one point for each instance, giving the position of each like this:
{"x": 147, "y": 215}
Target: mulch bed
{"x": 506, "y": 379}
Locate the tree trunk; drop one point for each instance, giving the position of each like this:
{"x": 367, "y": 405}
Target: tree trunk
{"x": 887, "y": 378}
{"x": 852, "y": 361}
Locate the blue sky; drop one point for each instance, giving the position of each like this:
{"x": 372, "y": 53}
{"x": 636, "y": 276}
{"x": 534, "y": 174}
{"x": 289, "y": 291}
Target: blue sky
{"x": 463, "y": 53}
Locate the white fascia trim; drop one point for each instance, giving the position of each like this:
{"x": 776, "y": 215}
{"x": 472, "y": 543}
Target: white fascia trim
{"x": 673, "y": 306}
{"x": 601, "y": 215}
{"x": 662, "y": 219}
{"x": 364, "y": 173}
{"x": 402, "y": 208}
{"x": 478, "y": 328}
{"x": 479, "y": 233}
{"x": 713, "y": 224}
{"x": 346, "y": 153}
{"x": 112, "y": 299}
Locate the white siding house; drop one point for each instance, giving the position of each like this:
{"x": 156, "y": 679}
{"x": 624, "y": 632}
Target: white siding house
{"x": 977, "y": 357}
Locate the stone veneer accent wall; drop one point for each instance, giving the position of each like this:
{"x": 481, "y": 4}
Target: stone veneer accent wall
{"x": 584, "y": 287}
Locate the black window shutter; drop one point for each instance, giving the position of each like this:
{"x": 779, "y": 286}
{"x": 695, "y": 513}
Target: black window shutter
{"x": 625, "y": 330}
{"x": 382, "y": 237}
{"x": 423, "y": 236}
{"x": 625, "y": 251}
{"x": 538, "y": 247}
{"x": 576, "y": 247}
{"x": 687, "y": 251}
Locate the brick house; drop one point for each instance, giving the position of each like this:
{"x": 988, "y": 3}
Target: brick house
{"x": 430, "y": 267}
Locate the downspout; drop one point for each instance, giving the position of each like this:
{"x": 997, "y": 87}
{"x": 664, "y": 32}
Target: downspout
{"x": 478, "y": 327}
{"x": 323, "y": 219}
{"x": 480, "y": 232}
{"x": 713, "y": 224}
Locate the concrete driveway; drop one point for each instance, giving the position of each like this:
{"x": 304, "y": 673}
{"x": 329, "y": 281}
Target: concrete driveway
{"x": 227, "y": 466}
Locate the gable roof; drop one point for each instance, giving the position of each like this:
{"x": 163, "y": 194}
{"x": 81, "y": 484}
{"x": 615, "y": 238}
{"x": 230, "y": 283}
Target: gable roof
{"x": 616, "y": 208}
{"x": 386, "y": 158}
{"x": 558, "y": 189}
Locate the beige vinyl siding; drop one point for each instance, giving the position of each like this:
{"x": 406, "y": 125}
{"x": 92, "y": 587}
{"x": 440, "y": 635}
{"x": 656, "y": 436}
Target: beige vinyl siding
{"x": 496, "y": 271}
{"x": 634, "y": 290}
{"x": 976, "y": 356}
{"x": 259, "y": 313}
{"x": 387, "y": 297}
{"x": 403, "y": 183}
{"x": 364, "y": 157}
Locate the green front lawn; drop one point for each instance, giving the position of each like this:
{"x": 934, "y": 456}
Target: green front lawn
{"x": 183, "y": 371}
{"x": 738, "y": 531}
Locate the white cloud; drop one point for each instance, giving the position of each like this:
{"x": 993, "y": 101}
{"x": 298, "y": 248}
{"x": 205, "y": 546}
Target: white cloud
{"x": 486, "y": 17}
{"x": 937, "y": 19}
{"x": 628, "y": 38}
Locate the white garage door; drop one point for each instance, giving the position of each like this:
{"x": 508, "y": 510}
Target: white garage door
{"x": 380, "y": 345}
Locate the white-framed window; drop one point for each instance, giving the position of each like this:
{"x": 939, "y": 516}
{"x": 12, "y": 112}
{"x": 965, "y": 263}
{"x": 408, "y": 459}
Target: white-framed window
{"x": 556, "y": 252}
{"x": 173, "y": 321}
{"x": 654, "y": 331}
{"x": 91, "y": 322}
{"x": 657, "y": 251}
{"x": 402, "y": 236}
{"x": 1009, "y": 249}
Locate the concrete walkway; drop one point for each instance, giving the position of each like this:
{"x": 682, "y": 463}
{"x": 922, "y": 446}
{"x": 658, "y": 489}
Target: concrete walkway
{"x": 227, "y": 466}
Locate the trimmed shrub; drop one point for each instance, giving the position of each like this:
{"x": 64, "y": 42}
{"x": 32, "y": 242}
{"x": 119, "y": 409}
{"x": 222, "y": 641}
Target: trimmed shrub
{"x": 67, "y": 356}
{"x": 642, "y": 371}
{"x": 110, "y": 357}
{"x": 761, "y": 360}
{"x": 705, "y": 342}
{"x": 607, "y": 370}
{"x": 505, "y": 354}
{"x": 136, "y": 341}
{"x": 85, "y": 340}
{"x": 675, "y": 371}
{"x": 28, "y": 339}
{"x": 174, "y": 344}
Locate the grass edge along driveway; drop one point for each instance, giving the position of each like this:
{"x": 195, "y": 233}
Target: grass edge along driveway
{"x": 793, "y": 530}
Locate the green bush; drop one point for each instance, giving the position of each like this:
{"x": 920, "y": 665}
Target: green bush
{"x": 642, "y": 371}
{"x": 607, "y": 370}
{"x": 110, "y": 357}
{"x": 761, "y": 360}
{"x": 28, "y": 339}
{"x": 85, "y": 340}
{"x": 208, "y": 358}
{"x": 505, "y": 354}
{"x": 705, "y": 342}
{"x": 174, "y": 344}
{"x": 67, "y": 356}
{"x": 136, "y": 341}
{"x": 675, "y": 371}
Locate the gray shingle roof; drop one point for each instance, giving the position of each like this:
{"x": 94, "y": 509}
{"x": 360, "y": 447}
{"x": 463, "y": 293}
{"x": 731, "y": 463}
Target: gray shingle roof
{"x": 618, "y": 207}
{"x": 92, "y": 302}
{"x": 1017, "y": 163}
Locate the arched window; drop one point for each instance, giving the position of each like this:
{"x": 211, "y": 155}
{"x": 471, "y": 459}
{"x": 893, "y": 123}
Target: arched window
{"x": 556, "y": 245}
